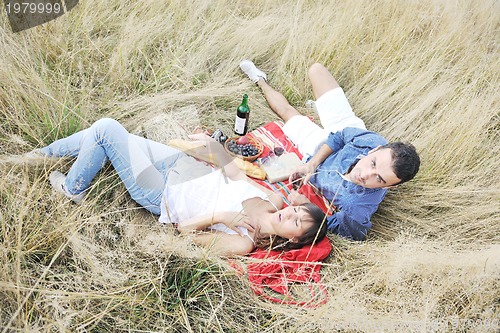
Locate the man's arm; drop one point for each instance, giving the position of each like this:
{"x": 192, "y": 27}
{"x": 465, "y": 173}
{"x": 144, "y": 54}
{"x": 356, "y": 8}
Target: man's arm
{"x": 353, "y": 219}
{"x": 307, "y": 169}
{"x": 344, "y": 225}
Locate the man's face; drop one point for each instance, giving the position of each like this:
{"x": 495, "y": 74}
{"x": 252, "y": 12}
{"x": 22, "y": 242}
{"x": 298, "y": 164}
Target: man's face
{"x": 374, "y": 170}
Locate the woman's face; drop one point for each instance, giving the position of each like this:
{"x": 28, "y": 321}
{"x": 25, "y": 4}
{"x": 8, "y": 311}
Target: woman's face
{"x": 291, "y": 222}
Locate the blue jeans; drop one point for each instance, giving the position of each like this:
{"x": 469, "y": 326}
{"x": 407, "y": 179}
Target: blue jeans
{"x": 141, "y": 164}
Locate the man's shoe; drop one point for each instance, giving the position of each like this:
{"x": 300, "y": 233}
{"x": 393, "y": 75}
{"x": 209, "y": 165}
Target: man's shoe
{"x": 57, "y": 180}
{"x": 252, "y": 71}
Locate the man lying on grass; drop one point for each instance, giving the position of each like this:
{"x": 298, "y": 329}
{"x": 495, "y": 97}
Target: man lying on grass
{"x": 352, "y": 167}
{"x": 228, "y": 212}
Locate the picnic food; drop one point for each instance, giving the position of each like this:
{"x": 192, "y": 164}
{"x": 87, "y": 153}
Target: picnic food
{"x": 194, "y": 149}
{"x": 243, "y": 147}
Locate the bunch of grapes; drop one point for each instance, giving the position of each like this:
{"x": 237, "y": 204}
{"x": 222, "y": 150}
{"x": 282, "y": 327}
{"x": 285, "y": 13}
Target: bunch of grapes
{"x": 242, "y": 149}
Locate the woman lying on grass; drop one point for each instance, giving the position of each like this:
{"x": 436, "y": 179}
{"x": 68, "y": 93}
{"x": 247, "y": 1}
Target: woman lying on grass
{"x": 229, "y": 213}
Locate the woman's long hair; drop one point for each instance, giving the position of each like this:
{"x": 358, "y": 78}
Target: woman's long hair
{"x": 315, "y": 233}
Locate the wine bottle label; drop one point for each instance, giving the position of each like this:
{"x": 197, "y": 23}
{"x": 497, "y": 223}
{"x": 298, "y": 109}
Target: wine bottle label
{"x": 239, "y": 125}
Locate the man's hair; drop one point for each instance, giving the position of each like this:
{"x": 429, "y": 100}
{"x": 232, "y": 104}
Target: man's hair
{"x": 405, "y": 160}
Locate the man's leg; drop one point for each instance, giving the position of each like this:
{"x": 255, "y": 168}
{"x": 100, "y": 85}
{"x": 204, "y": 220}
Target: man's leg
{"x": 321, "y": 80}
{"x": 331, "y": 104}
{"x": 278, "y": 103}
{"x": 275, "y": 99}
{"x": 305, "y": 134}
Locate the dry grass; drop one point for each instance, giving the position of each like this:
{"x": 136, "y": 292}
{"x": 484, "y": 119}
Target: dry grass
{"x": 421, "y": 71}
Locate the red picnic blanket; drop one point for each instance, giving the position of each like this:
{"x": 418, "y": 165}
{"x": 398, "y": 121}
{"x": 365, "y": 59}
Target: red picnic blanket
{"x": 276, "y": 270}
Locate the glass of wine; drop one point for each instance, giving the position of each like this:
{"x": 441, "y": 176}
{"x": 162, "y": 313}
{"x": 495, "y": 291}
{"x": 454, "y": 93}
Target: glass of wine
{"x": 278, "y": 149}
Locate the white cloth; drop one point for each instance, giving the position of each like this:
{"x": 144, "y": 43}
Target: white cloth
{"x": 335, "y": 114}
{"x": 195, "y": 189}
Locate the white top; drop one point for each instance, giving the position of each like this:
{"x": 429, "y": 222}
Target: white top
{"x": 205, "y": 191}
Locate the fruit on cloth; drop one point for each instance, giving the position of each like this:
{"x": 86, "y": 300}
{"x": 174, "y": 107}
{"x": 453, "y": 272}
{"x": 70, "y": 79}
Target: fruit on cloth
{"x": 243, "y": 140}
{"x": 246, "y": 149}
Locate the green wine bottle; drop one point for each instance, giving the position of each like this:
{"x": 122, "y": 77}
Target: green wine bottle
{"x": 242, "y": 115}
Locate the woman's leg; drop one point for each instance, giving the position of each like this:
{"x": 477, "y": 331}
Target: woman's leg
{"x": 141, "y": 164}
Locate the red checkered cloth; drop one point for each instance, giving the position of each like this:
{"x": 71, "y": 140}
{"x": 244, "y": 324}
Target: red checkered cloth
{"x": 272, "y": 272}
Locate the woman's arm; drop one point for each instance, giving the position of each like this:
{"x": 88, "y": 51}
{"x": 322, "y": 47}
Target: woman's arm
{"x": 232, "y": 220}
{"x": 218, "y": 242}
{"x": 223, "y": 244}
{"x": 210, "y": 150}
{"x": 207, "y": 149}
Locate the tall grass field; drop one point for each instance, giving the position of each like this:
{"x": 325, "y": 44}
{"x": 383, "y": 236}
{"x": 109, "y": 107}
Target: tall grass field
{"x": 423, "y": 71}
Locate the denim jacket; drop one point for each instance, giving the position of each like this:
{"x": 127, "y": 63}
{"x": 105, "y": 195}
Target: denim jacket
{"x": 355, "y": 204}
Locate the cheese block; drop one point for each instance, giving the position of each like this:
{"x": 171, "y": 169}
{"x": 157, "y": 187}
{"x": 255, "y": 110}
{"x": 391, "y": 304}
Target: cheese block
{"x": 279, "y": 169}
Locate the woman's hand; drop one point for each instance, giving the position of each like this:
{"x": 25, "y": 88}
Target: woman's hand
{"x": 233, "y": 220}
{"x": 214, "y": 152}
